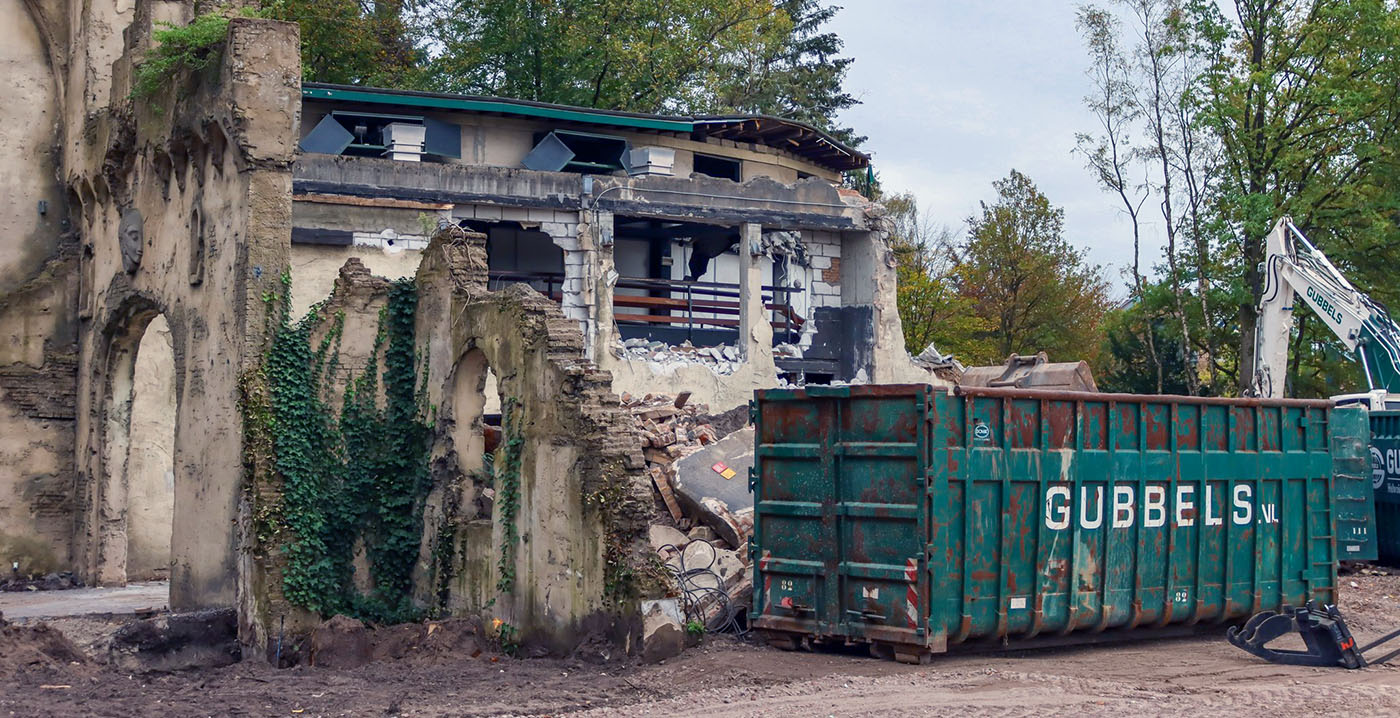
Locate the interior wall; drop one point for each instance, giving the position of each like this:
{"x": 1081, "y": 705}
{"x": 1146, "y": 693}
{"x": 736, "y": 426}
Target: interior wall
{"x": 150, "y": 463}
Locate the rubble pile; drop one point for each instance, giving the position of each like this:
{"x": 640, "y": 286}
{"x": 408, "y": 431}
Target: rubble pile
{"x": 704, "y": 545}
{"x": 723, "y": 359}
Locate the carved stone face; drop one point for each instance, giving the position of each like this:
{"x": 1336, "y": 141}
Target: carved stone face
{"x": 130, "y": 236}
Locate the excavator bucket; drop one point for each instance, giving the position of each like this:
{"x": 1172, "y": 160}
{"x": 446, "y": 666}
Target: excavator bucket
{"x": 1325, "y": 635}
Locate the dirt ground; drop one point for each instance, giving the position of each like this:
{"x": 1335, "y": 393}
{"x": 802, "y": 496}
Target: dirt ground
{"x": 1197, "y": 675}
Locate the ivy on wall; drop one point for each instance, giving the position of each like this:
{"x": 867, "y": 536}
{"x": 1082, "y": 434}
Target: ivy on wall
{"x": 506, "y": 473}
{"x": 353, "y": 478}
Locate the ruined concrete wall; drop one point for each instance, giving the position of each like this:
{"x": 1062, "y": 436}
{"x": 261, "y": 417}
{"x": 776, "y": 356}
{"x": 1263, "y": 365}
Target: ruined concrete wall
{"x": 38, "y": 262}
{"x": 185, "y": 212}
{"x": 869, "y": 281}
{"x": 316, "y": 268}
{"x": 582, "y": 502}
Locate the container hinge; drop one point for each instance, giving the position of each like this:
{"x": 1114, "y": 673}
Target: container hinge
{"x": 753, "y": 412}
{"x": 753, "y": 478}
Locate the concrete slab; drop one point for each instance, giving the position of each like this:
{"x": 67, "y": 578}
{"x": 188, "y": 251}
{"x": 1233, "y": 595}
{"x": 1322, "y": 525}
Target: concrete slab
{"x": 131, "y": 598}
{"x": 718, "y": 471}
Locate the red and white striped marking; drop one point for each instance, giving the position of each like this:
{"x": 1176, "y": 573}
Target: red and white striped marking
{"x": 911, "y": 599}
{"x": 767, "y": 577}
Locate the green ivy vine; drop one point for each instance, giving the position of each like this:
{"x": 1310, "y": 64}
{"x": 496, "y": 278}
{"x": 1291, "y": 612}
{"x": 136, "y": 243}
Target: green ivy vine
{"x": 358, "y": 476}
{"x": 506, "y": 472}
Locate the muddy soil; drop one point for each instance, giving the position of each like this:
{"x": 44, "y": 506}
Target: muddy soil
{"x": 1199, "y": 675}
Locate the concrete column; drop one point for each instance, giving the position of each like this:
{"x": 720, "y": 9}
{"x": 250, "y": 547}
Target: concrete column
{"x": 755, "y": 331}
{"x": 870, "y": 306}
{"x": 603, "y": 277}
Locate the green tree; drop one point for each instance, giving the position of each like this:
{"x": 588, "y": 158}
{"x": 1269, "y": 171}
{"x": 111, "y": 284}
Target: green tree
{"x": 931, "y": 310}
{"x": 636, "y": 55}
{"x": 796, "y": 75}
{"x": 1034, "y": 291}
{"x": 1125, "y": 362}
{"x": 355, "y": 42}
{"x": 1304, "y": 101}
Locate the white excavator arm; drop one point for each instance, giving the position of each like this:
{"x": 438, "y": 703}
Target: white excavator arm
{"x": 1294, "y": 267}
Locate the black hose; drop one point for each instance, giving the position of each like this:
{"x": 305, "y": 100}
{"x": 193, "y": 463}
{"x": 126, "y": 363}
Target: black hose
{"x": 693, "y": 595}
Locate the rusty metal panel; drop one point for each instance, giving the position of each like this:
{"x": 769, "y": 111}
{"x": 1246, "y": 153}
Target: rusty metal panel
{"x": 1029, "y": 514}
{"x": 839, "y": 475}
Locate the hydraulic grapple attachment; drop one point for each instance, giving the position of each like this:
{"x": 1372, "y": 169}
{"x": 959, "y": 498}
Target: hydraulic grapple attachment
{"x": 1324, "y": 633}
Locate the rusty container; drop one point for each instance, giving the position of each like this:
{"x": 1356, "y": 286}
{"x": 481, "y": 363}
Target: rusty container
{"x": 917, "y": 518}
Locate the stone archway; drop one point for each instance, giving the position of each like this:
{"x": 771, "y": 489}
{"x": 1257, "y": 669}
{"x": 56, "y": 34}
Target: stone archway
{"x": 136, "y": 489}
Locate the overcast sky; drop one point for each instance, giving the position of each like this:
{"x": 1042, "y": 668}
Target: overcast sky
{"x": 956, "y": 94}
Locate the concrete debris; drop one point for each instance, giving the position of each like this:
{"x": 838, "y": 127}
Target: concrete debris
{"x": 931, "y": 358}
{"x": 664, "y": 536}
{"x": 791, "y": 351}
{"x": 177, "y": 641}
{"x": 710, "y": 566}
{"x": 718, "y": 471}
{"x": 663, "y": 631}
{"x": 50, "y": 582}
{"x": 702, "y": 533}
{"x": 663, "y": 487}
{"x": 788, "y": 244}
{"x": 716, "y": 514}
{"x": 669, "y": 434}
{"x": 723, "y": 359}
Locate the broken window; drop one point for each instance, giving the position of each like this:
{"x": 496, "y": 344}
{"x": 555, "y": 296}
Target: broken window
{"x": 363, "y": 134}
{"x": 521, "y": 255}
{"x": 571, "y": 151}
{"x": 721, "y": 167}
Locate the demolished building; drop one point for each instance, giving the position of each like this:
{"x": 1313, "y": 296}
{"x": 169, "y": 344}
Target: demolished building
{"x": 554, "y": 259}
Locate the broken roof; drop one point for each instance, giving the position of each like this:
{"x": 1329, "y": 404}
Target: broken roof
{"x": 799, "y": 138}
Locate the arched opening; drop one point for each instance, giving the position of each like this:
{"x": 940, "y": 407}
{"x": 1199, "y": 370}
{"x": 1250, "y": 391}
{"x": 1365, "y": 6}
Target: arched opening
{"x": 476, "y": 403}
{"x": 476, "y": 440}
{"x": 138, "y": 491}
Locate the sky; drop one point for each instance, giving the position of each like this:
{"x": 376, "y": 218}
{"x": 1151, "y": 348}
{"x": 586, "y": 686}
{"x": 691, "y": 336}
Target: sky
{"x": 955, "y": 94}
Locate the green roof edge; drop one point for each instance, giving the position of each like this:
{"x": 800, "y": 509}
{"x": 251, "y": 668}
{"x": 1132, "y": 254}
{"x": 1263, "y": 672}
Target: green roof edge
{"x": 514, "y": 108}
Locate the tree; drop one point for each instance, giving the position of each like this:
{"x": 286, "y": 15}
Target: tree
{"x": 1033, "y": 290}
{"x": 1303, "y": 99}
{"x": 1124, "y": 364}
{"x": 930, "y": 308}
{"x": 355, "y": 42}
{"x": 1149, "y": 91}
{"x": 636, "y": 55}
{"x": 1111, "y": 156}
{"x": 797, "y": 75}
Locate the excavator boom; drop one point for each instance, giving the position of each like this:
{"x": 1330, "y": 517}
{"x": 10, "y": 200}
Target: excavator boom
{"x": 1295, "y": 268}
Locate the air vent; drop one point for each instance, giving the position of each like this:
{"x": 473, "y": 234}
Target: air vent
{"x": 643, "y": 161}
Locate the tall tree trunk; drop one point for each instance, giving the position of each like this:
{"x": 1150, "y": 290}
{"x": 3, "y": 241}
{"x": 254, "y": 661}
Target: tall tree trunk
{"x": 1157, "y": 56}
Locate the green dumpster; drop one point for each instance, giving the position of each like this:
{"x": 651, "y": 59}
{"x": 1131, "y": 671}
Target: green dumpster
{"x": 916, "y": 518}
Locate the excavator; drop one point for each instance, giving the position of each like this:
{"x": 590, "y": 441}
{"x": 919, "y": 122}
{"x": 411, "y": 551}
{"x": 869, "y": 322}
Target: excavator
{"x": 1294, "y": 268}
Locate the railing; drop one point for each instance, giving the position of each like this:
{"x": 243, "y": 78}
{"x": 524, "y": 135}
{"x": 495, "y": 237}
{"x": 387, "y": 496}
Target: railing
{"x": 675, "y": 302}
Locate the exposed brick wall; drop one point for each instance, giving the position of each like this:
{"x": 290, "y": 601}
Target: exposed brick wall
{"x": 832, "y": 274}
